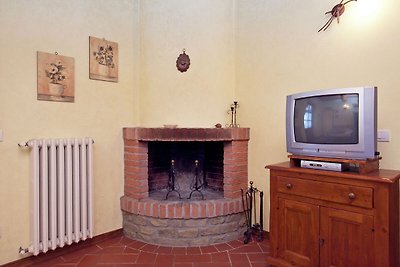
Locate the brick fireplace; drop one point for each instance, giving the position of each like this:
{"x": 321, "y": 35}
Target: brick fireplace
{"x": 222, "y": 155}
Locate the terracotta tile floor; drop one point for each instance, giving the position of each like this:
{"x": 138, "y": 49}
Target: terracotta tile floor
{"x": 124, "y": 252}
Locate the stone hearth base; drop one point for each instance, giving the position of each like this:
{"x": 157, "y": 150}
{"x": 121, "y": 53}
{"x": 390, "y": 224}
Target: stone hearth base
{"x": 183, "y": 223}
{"x": 184, "y": 232}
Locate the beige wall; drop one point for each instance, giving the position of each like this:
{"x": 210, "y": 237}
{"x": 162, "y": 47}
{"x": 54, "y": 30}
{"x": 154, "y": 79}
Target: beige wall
{"x": 254, "y": 51}
{"x": 280, "y": 52}
{"x": 201, "y": 96}
{"x": 100, "y": 110}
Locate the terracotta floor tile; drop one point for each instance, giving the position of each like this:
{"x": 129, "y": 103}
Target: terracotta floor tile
{"x": 146, "y": 257}
{"x": 164, "y": 260}
{"x": 193, "y": 258}
{"x": 110, "y": 242}
{"x": 257, "y": 257}
{"x": 126, "y": 241}
{"x": 264, "y": 241}
{"x": 178, "y": 250}
{"x": 208, "y": 249}
{"x": 164, "y": 250}
{"x": 241, "y": 264}
{"x": 193, "y": 250}
{"x": 133, "y": 265}
{"x": 220, "y": 257}
{"x": 149, "y": 248}
{"x": 118, "y": 258}
{"x": 249, "y": 248}
{"x": 212, "y": 264}
{"x": 264, "y": 247}
{"x": 111, "y": 250}
{"x": 129, "y": 250}
{"x": 49, "y": 263}
{"x": 76, "y": 256}
{"x": 236, "y": 243}
{"x": 183, "y": 265}
{"x": 89, "y": 260}
{"x": 136, "y": 244}
{"x": 260, "y": 264}
{"x": 239, "y": 258}
{"x": 223, "y": 247}
{"x": 124, "y": 252}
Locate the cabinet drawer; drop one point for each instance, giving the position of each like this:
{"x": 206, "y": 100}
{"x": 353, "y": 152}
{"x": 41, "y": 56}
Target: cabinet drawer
{"x": 339, "y": 193}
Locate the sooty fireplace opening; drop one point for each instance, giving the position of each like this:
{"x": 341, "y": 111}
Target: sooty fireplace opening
{"x": 181, "y": 157}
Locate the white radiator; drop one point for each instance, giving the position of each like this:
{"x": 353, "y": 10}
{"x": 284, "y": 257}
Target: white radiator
{"x": 61, "y": 184}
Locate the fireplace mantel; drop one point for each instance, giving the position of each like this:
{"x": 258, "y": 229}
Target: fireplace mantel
{"x": 186, "y": 134}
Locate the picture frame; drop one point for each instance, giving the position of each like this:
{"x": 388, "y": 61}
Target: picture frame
{"x": 55, "y": 77}
{"x": 103, "y": 59}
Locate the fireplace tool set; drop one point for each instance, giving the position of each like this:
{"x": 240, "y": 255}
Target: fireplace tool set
{"x": 249, "y": 207}
{"x": 195, "y": 186}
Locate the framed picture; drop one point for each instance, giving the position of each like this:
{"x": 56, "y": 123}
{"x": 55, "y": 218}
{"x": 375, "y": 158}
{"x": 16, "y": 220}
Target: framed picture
{"x": 55, "y": 77}
{"x": 103, "y": 60}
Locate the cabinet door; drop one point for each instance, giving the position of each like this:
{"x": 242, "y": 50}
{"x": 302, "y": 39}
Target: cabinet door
{"x": 347, "y": 239}
{"x": 298, "y": 233}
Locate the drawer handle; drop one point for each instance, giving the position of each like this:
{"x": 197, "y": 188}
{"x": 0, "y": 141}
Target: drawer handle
{"x": 289, "y": 186}
{"x": 352, "y": 196}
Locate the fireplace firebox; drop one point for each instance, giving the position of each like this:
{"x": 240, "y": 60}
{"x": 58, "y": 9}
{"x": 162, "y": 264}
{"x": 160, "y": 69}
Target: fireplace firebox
{"x": 194, "y": 168}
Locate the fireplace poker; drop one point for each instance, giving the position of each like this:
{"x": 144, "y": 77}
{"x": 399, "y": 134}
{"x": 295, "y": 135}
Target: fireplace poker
{"x": 261, "y": 230}
{"x": 247, "y": 234}
{"x": 250, "y": 193}
{"x": 244, "y": 208}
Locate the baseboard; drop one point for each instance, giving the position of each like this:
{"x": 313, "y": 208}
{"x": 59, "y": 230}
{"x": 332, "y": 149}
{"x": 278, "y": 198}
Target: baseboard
{"x": 61, "y": 251}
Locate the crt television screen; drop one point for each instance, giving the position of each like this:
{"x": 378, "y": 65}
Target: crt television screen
{"x": 327, "y": 119}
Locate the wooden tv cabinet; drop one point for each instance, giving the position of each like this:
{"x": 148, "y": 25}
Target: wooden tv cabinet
{"x": 336, "y": 219}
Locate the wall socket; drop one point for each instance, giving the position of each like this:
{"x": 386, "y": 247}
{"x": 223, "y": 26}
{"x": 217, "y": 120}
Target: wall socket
{"x": 383, "y": 136}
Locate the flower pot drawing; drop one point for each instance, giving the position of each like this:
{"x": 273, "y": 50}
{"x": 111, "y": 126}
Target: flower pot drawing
{"x": 103, "y": 70}
{"x": 56, "y": 89}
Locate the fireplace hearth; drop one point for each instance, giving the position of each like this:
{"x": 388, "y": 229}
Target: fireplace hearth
{"x": 209, "y": 167}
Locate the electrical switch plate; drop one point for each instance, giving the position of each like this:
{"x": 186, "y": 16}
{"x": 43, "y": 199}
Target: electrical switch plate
{"x": 383, "y": 136}
{"x": 1, "y": 135}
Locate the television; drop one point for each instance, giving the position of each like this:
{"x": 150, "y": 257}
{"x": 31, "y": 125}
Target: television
{"x": 333, "y": 123}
